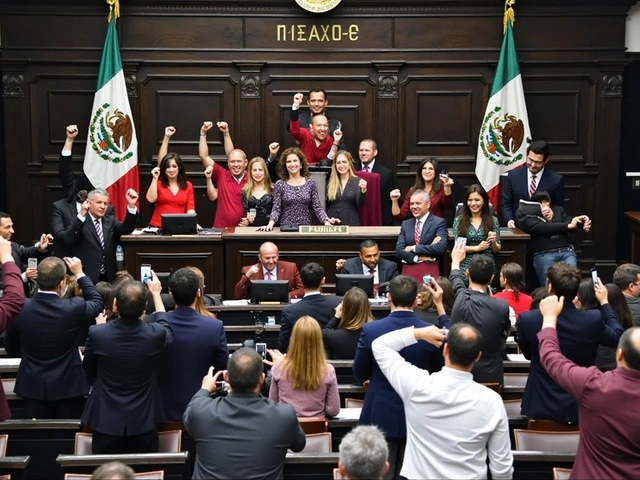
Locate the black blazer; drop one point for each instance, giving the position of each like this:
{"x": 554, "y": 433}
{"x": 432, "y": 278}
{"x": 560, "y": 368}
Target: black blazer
{"x": 47, "y": 334}
{"x": 121, "y": 357}
{"x": 340, "y": 343}
{"x": 387, "y": 184}
{"x": 320, "y": 307}
{"x": 20, "y": 255}
{"x": 82, "y": 240}
{"x": 386, "y": 268}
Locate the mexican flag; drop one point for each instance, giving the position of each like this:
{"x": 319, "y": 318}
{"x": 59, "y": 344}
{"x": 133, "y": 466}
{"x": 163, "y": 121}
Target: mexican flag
{"x": 111, "y": 158}
{"x": 505, "y": 127}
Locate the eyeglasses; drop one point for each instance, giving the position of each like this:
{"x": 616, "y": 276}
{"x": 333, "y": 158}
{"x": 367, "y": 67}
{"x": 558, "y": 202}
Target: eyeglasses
{"x": 535, "y": 162}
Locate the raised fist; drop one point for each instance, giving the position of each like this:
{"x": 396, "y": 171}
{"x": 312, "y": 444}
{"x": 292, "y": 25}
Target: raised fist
{"x": 223, "y": 126}
{"x": 297, "y": 99}
{"x": 208, "y": 172}
{"x": 169, "y": 131}
{"x": 132, "y": 197}
{"x": 155, "y": 173}
{"x": 273, "y": 149}
{"x": 337, "y": 136}
{"x": 395, "y": 194}
{"x": 72, "y": 131}
{"x": 363, "y": 185}
{"x": 206, "y": 126}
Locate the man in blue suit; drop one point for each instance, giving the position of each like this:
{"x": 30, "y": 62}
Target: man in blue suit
{"x": 521, "y": 183}
{"x": 579, "y": 333}
{"x": 199, "y": 342}
{"x": 382, "y": 405}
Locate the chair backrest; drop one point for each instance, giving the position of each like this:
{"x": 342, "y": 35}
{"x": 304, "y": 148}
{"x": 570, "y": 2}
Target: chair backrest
{"x": 458, "y": 212}
{"x": 561, "y": 473}
{"x": 4, "y": 439}
{"x": 83, "y": 444}
{"x": 8, "y": 384}
{"x": 513, "y": 407}
{"x": 336, "y": 474}
{"x": 532, "y": 440}
{"x": 318, "y": 443}
{"x": 353, "y": 403}
{"x": 157, "y": 475}
{"x": 551, "y": 426}
{"x": 169, "y": 441}
{"x": 76, "y": 476}
{"x": 515, "y": 379}
{"x": 495, "y": 386}
{"x": 313, "y": 424}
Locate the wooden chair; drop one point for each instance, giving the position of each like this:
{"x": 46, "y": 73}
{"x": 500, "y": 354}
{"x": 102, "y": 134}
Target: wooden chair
{"x": 169, "y": 441}
{"x": 83, "y": 444}
{"x": 512, "y": 407}
{"x": 318, "y": 443}
{"x": 531, "y": 440}
{"x": 313, "y": 424}
{"x": 515, "y": 379}
{"x": 4, "y": 440}
{"x": 353, "y": 403}
{"x": 561, "y": 473}
{"x": 495, "y": 386}
{"x": 551, "y": 426}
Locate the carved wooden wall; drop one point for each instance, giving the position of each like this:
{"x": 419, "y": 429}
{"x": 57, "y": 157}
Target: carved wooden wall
{"x": 414, "y": 77}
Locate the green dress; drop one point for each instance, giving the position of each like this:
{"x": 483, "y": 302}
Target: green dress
{"x": 475, "y": 237}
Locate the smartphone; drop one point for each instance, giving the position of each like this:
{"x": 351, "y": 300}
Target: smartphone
{"x": 261, "y": 348}
{"x": 444, "y": 171}
{"x": 145, "y": 272}
{"x": 220, "y": 385}
{"x": 32, "y": 263}
{"x": 461, "y": 242}
{"x": 594, "y": 277}
{"x": 427, "y": 279}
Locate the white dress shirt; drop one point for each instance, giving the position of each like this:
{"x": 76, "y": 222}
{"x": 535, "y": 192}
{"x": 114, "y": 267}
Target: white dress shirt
{"x": 274, "y": 273}
{"x": 376, "y": 276}
{"x": 453, "y": 423}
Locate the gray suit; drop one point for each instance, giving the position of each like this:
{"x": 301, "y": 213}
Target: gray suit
{"x": 242, "y": 435}
{"x": 386, "y": 268}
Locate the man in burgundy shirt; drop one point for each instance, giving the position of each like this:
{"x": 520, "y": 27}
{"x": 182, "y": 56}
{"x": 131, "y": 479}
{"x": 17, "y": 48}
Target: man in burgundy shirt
{"x": 609, "y": 419}
{"x": 10, "y": 304}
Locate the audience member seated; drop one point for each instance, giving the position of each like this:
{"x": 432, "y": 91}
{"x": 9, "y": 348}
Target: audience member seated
{"x": 269, "y": 267}
{"x": 170, "y": 191}
{"x": 475, "y": 306}
{"x": 451, "y": 416}
{"x": 21, "y": 254}
{"x": 295, "y": 194}
{"x": 303, "y": 378}
{"x": 257, "y": 194}
{"x": 342, "y": 332}
{"x": 363, "y": 454}
{"x": 46, "y": 335}
{"x": 346, "y": 193}
{"x": 426, "y": 308}
{"x": 537, "y": 295}
{"x": 198, "y": 342}
{"x": 513, "y": 285}
{"x": 224, "y": 185}
{"x": 113, "y": 471}
{"x": 316, "y": 143}
{"x": 369, "y": 262}
{"x": 382, "y": 405}
{"x": 367, "y": 153}
{"x": 120, "y": 359}
{"x": 422, "y": 239}
{"x": 242, "y": 434}
{"x": 430, "y": 179}
{"x": 609, "y": 431}
{"x": 321, "y": 307}
{"x": 11, "y": 303}
{"x": 550, "y": 242}
{"x": 627, "y": 278}
{"x": 478, "y": 226}
{"x": 579, "y": 332}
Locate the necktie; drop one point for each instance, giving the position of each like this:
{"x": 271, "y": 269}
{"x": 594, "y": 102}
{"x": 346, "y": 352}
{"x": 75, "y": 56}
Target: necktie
{"x": 372, "y": 272}
{"x": 269, "y": 275}
{"x": 532, "y": 188}
{"x": 101, "y": 238}
{"x": 366, "y": 168}
{"x": 416, "y": 233}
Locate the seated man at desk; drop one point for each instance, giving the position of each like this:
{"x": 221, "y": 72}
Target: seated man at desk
{"x": 369, "y": 262}
{"x": 269, "y": 268}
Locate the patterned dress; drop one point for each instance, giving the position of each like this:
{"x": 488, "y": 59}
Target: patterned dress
{"x": 263, "y": 206}
{"x": 475, "y": 237}
{"x": 292, "y": 205}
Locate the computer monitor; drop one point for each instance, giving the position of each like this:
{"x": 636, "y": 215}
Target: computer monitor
{"x": 345, "y": 282}
{"x": 164, "y": 280}
{"x": 269, "y": 291}
{"x": 179, "y": 223}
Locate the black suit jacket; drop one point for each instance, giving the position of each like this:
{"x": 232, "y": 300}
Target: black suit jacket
{"x": 21, "y": 255}
{"x": 386, "y": 268}
{"x": 121, "y": 357}
{"x": 71, "y": 184}
{"x": 340, "y": 343}
{"x": 320, "y": 307}
{"x": 82, "y": 240}
{"x": 386, "y": 185}
{"x": 47, "y": 334}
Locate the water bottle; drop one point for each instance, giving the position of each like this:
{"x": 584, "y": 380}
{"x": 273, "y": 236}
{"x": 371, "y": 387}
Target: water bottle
{"x": 119, "y": 258}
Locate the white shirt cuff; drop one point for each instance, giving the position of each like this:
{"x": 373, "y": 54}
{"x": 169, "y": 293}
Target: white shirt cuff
{"x": 66, "y": 153}
{"x": 133, "y": 210}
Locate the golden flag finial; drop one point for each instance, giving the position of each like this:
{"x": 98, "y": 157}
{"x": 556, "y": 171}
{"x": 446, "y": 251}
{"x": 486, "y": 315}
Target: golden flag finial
{"x": 113, "y": 13}
{"x": 509, "y": 15}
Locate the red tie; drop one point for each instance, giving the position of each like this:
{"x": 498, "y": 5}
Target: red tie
{"x": 532, "y": 188}
{"x": 366, "y": 168}
{"x": 372, "y": 272}
{"x": 416, "y": 233}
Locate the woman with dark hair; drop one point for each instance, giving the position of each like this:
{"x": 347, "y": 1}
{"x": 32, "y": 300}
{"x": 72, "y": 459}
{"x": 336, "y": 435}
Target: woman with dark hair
{"x": 513, "y": 283}
{"x": 170, "y": 190}
{"x": 107, "y": 292}
{"x": 426, "y": 309}
{"x": 295, "y": 194}
{"x": 586, "y": 297}
{"x": 476, "y": 223}
{"x": 342, "y": 333}
{"x": 431, "y": 180}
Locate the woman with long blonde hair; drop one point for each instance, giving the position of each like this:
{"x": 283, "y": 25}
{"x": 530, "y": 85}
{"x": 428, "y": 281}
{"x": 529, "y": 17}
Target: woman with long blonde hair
{"x": 346, "y": 193}
{"x": 304, "y": 378}
{"x": 257, "y": 194}
{"x": 342, "y": 333}
{"x": 200, "y": 307}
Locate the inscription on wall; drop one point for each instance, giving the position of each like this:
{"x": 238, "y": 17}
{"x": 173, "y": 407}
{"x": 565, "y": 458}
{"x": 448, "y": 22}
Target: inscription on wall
{"x": 316, "y": 33}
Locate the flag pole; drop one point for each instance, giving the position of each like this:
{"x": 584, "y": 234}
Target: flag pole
{"x": 509, "y": 15}
{"x": 114, "y": 9}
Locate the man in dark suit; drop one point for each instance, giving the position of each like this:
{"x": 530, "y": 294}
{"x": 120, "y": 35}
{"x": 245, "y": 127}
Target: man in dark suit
{"x": 46, "y": 335}
{"x": 94, "y": 238}
{"x": 579, "y": 333}
{"x": 367, "y": 152}
{"x": 243, "y": 434}
{"x": 198, "y": 343}
{"x": 422, "y": 239}
{"x": 369, "y": 262}
{"x": 522, "y": 183}
{"x": 269, "y": 268}
{"x": 382, "y": 405}
{"x": 121, "y": 359}
{"x": 314, "y": 303}
{"x": 10, "y": 305}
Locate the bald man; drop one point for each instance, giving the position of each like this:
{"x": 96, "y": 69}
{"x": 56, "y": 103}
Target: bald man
{"x": 269, "y": 268}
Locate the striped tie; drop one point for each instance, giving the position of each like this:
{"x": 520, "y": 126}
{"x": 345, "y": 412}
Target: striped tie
{"x": 101, "y": 238}
{"x": 532, "y": 188}
{"x": 416, "y": 233}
